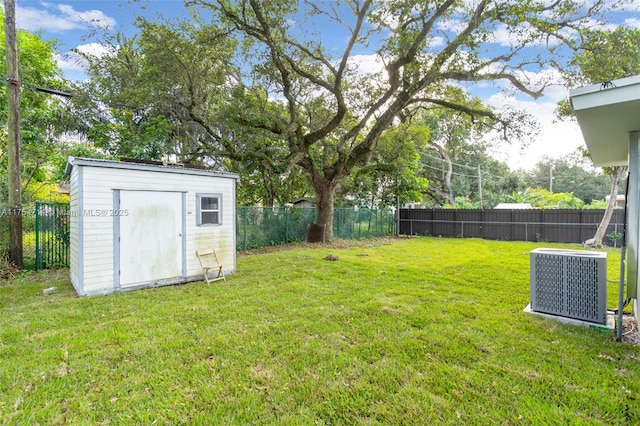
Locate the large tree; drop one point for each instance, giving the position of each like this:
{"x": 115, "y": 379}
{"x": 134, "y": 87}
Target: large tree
{"x": 334, "y": 112}
{"x": 143, "y": 91}
{"x": 604, "y": 56}
{"x": 316, "y": 84}
{"x": 455, "y": 137}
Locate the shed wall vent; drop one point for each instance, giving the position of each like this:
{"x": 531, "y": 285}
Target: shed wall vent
{"x": 569, "y": 283}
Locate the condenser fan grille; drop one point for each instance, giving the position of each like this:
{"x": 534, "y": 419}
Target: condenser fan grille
{"x": 569, "y": 283}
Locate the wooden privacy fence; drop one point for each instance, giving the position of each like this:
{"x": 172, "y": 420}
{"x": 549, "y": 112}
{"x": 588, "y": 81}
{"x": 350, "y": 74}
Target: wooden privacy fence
{"x": 553, "y": 225}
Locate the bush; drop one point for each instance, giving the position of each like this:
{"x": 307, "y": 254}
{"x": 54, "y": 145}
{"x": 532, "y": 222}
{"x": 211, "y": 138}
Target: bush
{"x": 7, "y": 269}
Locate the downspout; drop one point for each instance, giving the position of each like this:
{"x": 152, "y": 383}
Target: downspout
{"x": 622, "y": 262}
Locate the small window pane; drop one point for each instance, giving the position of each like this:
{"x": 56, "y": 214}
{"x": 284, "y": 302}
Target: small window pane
{"x": 209, "y": 203}
{"x": 209, "y": 217}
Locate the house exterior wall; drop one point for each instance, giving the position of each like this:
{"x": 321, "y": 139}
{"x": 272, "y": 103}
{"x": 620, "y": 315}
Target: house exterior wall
{"x": 633, "y": 220}
{"x": 95, "y": 220}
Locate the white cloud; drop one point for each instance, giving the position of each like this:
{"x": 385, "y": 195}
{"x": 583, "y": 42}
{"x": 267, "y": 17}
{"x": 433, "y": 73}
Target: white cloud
{"x": 34, "y": 19}
{"x": 95, "y": 49}
{"x": 556, "y": 93}
{"x": 526, "y": 34}
{"x": 629, "y": 5}
{"x": 72, "y": 61}
{"x": 437, "y": 41}
{"x": 632, "y": 22}
{"x": 455, "y": 26}
{"x": 511, "y": 36}
{"x": 94, "y": 18}
{"x": 555, "y": 89}
{"x": 555, "y": 139}
{"x": 60, "y": 18}
{"x": 593, "y": 24}
{"x": 367, "y": 64}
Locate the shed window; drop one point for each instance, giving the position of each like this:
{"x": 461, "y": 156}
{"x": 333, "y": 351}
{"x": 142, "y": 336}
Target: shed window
{"x": 209, "y": 209}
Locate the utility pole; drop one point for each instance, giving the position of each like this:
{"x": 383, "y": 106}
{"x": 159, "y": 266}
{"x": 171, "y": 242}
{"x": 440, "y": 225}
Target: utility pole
{"x": 479, "y": 180}
{"x": 480, "y": 186}
{"x": 13, "y": 152}
{"x": 550, "y": 177}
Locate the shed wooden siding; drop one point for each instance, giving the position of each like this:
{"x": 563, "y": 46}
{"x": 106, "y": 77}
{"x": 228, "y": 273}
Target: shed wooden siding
{"x": 74, "y": 254}
{"x": 98, "y": 185}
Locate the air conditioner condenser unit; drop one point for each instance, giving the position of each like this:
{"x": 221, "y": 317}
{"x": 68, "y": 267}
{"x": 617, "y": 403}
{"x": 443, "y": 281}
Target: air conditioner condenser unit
{"x": 569, "y": 283}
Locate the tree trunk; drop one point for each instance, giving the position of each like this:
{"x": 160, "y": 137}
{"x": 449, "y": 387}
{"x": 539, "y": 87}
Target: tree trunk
{"x": 325, "y": 193}
{"x": 596, "y": 241}
{"x": 446, "y": 192}
{"x": 268, "y": 189}
{"x": 450, "y": 197}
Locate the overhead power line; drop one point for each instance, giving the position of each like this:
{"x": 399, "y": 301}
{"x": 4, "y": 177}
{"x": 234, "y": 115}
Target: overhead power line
{"x": 478, "y": 176}
{"x": 40, "y": 88}
{"x": 428, "y": 166}
{"x": 440, "y": 158}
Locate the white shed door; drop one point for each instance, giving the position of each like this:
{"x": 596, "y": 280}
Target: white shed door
{"x": 150, "y": 236}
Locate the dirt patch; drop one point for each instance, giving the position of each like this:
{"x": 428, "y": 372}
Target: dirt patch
{"x": 334, "y": 245}
{"x": 630, "y": 332}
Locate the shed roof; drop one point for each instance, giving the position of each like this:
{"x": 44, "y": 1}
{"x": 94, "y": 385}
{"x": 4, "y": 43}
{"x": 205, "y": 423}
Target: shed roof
{"x": 513, "y": 206}
{"x": 607, "y": 113}
{"x": 94, "y": 162}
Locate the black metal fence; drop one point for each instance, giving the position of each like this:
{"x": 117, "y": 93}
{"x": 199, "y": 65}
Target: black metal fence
{"x": 266, "y": 226}
{"x": 46, "y": 229}
{"x": 45, "y": 234}
{"x": 51, "y": 235}
{"x": 553, "y": 225}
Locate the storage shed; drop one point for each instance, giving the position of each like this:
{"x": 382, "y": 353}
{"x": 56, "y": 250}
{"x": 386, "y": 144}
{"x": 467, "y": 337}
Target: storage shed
{"x": 135, "y": 225}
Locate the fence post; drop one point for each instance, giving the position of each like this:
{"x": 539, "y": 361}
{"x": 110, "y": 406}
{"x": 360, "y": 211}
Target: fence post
{"x": 395, "y": 222}
{"x": 244, "y": 222}
{"x": 56, "y": 224}
{"x": 37, "y": 218}
{"x": 286, "y": 225}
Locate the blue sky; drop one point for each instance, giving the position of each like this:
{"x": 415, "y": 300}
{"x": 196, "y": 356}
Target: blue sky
{"x": 78, "y": 23}
{"x": 74, "y": 23}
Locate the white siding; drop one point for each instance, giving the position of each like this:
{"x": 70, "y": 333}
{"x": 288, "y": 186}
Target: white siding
{"x": 98, "y": 185}
{"x": 74, "y": 261}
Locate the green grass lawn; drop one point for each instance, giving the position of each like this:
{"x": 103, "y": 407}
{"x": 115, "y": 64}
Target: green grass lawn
{"x": 412, "y": 331}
